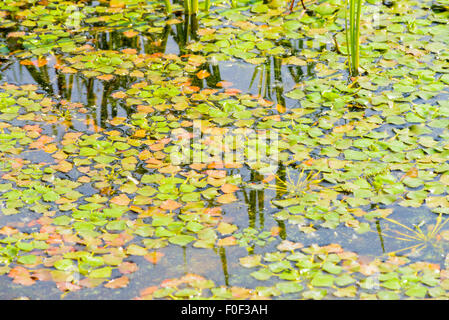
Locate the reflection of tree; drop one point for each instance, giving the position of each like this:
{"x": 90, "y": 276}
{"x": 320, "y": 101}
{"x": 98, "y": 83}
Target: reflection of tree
{"x": 280, "y": 191}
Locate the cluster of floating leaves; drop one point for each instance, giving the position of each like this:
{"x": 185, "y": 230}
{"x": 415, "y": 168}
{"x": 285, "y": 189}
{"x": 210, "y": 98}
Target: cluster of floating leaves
{"x": 94, "y": 193}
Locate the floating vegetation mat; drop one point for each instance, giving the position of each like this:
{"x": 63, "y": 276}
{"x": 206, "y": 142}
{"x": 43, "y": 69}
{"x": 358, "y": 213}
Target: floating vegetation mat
{"x": 223, "y": 155}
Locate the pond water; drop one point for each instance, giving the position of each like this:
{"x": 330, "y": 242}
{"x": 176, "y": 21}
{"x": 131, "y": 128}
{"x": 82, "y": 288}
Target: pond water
{"x": 223, "y": 155}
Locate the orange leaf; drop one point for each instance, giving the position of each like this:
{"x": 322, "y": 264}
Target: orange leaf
{"x": 224, "y": 84}
{"x": 129, "y": 51}
{"x": 202, "y": 74}
{"x": 7, "y": 231}
{"x": 226, "y": 198}
{"x": 412, "y": 173}
{"x": 157, "y": 146}
{"x": 63, "y": 166}
{"x": 130, "y": 33}
{"x": 118, "y": 283}
{"x": 128, "y": 267}
{"x": 67, "y": 286}
{"x": 105, "y": 77}
{"x": 119, "y": 95}
{"x": 229, "y": 188}
{"x": 217, "y": 174}
{"x": 228, "y": 241}
{"x": 232, "y": 91}
{"x": 154, "y": 257}
{"x": 121, "y": 200}
{"x": 309, "y": 162}
{"x": 148, "y": 291}
{"x": 117, "y": 4}
{"x": 140, "y": 133}
{"x": 280, "y": 108}
{"x": 170, "y": 205}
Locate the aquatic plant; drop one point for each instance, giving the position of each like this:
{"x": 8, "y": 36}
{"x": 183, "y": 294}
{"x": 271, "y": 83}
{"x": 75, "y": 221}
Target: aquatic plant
{"x": 168, "y": 8}
{"x": 296, "y": 186}
{"x": 352, "y": 26}
{"x": 420, "y": 238}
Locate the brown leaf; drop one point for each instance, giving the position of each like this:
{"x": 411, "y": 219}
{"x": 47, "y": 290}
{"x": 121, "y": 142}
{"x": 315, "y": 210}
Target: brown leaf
{"x": 118, "y": 283}
{"x": 154, "y": 257}
{"x": 128, "y": 267}
{"x": 170, "y": 205}
{"x": 228, "y": 241}
{"x": 226, "y": 198}
{"x": 148, "y": 291}
{"x": 121, "y": 200}
{"x": 229, "y": 188}
{"x": 202, "y": 74}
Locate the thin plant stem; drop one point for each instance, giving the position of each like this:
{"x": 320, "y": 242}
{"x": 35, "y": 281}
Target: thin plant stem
{"x": 187, "y": 6}
{"x": 194, "y": 6}
{"x": 207, "y": 5}
{"x": 167, "y": 7}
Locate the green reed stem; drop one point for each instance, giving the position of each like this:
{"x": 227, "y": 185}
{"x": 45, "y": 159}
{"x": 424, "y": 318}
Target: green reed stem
{"x": 353, "y": 34}
{"x": 207, "y": 5}
{"x": 194, "y": 6}
{"x": 167, "y": 7}
{"x": 234, "y": 4}
{"x": 187, "y": 6}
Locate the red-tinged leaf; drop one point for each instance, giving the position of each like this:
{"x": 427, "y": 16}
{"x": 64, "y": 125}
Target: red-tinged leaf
{"x": 202, "y": 74}
{"x": 129, "y": 51}
{"x": 67, "y": 286}
{"x": 157, "y": 147}
{"x": 191, "y": 277}
{"x": 63, "y": 166}
{"x": 226, "y": 198}
{"x": 228, "y": 241}
{"x": 128, "y": 267}
{"x": 121, "y": 200}
{"x": 274, "y": 231}
{"x": 105, "y": 77}
{"x": 118, "y": 283}
{"x": 224, "y": 84}
{"x": 198, "y": 166}
{"x": 148, "y": 291}
{"x": 21, "y": 276}
{"x": 41, "y": 142}
{"x": 130, "y": 33}
{"x": 117, "y": 3}
{"x": 154, "y": 257}
{"x": 287, "y": 245}
{"x": 217, "y": 174}
{"x": 308, "y": 162}
{"x": 18, "y": 272}
{"x": 229, "y": 188}
{"x": 232, "y": 91}
{"x": 171, "y": 283}
{"x": 205, "y": 31}
{"x": 7, "y": 231}
{"x": 170, "y": 205}
{"x": 24, "y": 281}
{"x": 42, "y": 275}
{"x": 33, "y": 128}
{"x": 17, "y": 34}
{"x": 91, "y": 283}
{"x": 412, "y": 173}
{"x": 141, "y": 133}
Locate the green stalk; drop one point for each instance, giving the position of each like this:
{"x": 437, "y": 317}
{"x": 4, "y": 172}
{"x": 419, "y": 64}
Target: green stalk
{"x": 207, "y": 5}
{"x": 187, "y": 6}
{"x": 194, "y": 6}
{"x": 357, "y": 36}
{"x": 348, "y": 50}
{"x": 167, "y": 7}
{"x": 234, "y": 4}
{"x": 353, "y": 34}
